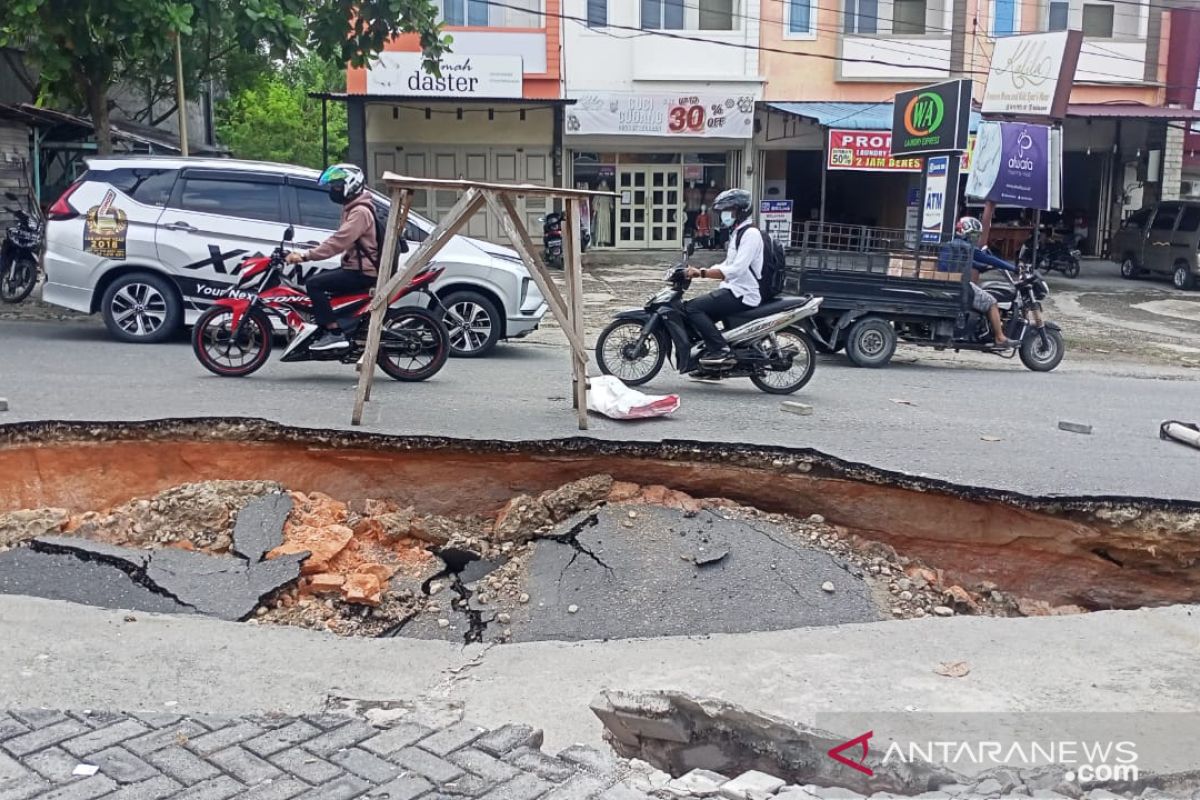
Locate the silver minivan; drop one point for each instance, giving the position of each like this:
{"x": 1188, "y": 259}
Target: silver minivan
{"x": 148, "y": 243}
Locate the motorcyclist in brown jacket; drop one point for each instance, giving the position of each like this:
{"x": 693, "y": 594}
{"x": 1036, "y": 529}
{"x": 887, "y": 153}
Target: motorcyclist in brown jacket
{"x": 357, "y": 242}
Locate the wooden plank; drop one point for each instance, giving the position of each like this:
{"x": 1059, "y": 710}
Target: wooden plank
{"x": 406, "y": 199}
{"x": 455, "y": 219}
{"x": 387, "y": 262}
{"x": 573, "y": 263}
{"x": 449, "y": 184}
{"x": 505, "y": 211}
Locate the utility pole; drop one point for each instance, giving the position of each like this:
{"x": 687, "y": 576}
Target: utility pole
{"x": 180, "y": 97}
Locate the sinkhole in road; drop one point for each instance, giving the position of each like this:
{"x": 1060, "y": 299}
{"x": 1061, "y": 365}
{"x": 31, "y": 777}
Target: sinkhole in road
{"x": 803, "y": 529}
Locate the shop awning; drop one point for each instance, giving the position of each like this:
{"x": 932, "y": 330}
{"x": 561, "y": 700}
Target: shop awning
{"x": 850, "y": 116}
{"x": 1131, "y": 111}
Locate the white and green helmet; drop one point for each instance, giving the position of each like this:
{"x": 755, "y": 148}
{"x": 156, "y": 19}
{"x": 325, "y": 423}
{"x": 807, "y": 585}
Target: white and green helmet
{"x": 345, "y": 182}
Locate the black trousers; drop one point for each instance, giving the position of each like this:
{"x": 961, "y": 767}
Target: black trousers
{"x": 329, "y": 283}
{"x": 704, "y": 311}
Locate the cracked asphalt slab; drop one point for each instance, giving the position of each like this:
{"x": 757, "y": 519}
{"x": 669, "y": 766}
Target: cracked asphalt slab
{"x": 165, "y": 579}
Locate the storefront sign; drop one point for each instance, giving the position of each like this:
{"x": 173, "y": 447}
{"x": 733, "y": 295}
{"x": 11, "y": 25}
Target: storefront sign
{"x": 1032, "y": 75}
{"x": 775, "y": 217}
{"x": 728, "y": 116}
{"x": 936, "y": 171}
{"x": 1015, "y": 164}
{"x": 933, "y": 119}
{"x": 871, "y": 151}
{"x": 462, "y": 76}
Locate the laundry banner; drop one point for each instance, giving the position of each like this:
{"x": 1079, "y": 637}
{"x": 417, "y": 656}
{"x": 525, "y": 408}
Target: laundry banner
{"x": 871, "y": 151}
{"x": 1017, "y": 164}
{"x": 729, "y": 116}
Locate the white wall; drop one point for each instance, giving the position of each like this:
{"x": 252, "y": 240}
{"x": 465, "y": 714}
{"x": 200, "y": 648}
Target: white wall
{"x": 612, "y": 59}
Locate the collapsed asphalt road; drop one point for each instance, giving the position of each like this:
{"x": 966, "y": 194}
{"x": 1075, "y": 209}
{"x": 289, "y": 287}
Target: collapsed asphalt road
{"x": 624, "y": 571}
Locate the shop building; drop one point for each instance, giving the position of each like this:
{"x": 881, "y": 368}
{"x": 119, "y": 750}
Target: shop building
{"x": 495, "y": 114}
{"x": 833, "y": 68}
{"x": 666, "y": 123}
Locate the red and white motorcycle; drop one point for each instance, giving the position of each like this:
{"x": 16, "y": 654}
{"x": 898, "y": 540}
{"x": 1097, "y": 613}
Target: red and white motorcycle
{"x": 234, "y": 337}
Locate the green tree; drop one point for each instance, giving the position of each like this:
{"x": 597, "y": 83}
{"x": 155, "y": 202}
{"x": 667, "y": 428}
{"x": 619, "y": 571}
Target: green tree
{"x": 85, "y": 47}
{"x": 274, "y": 119}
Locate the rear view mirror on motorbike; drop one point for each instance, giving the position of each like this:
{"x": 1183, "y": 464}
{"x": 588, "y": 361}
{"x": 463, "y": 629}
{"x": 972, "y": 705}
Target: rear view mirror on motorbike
{"x": 289, "y": 234}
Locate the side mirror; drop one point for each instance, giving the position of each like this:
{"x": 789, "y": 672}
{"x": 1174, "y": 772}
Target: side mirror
{"x": 289, "y": 234}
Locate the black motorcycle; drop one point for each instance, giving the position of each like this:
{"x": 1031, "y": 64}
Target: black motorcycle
{"x": 1020, "y": 300}
{"x": 552, "y": 239}
{"x": 770, "y": 344}
{"x": 1053, "y": 254}
{"x": 19, "y": 254}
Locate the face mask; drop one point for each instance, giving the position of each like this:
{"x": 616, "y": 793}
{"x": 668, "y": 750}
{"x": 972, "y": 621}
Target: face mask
{"x": 726, "y": 218}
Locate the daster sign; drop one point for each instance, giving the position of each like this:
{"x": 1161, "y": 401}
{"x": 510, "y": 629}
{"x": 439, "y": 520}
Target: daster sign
{"x": 462, "y": 76}
{"x": 933, "y": 119}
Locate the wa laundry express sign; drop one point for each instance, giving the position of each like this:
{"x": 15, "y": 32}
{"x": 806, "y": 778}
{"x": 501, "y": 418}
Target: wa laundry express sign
{"x": 461, "y": 76}
{"x": 933, "y": 119}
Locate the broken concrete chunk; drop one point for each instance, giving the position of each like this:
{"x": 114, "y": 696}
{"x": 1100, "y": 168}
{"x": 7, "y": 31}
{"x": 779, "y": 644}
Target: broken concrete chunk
{"x": 520, "y": 518}
{"x": 753, "y": 781}
{"x": 576, "y": 496}
{"x": 259, "y": 526}
{"x": 698, "y": 783}
{"x": 326, "y": 583}
{"x": 673, "y": 731}
{"x": 710, "y": 554}
{"x": 792, "y": 407}
{"x": 1074, "y": 427}
{"x": 221, "y": 587}
{"x": 363, "y": 588}
{"x": 322, "y": 544}
{"x": 21, "y": 526}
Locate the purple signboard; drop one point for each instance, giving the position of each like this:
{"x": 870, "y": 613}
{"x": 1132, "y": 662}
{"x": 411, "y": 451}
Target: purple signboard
{"x": 1014, "y": 165}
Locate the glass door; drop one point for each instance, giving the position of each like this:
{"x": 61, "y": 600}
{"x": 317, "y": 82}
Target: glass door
{"x": 650, "y": 206}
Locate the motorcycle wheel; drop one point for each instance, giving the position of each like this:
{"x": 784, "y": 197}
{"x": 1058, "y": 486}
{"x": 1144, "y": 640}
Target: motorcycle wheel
{"x": 616, "y": 355}
{"x": 1071, "y": 268}
{"x": 414, "y": 344}
{"x": 1042, "y": 357}
{"x": 221, "y": 352}
{"x": 18, "y": 280}
{"x": 803, "y": 364}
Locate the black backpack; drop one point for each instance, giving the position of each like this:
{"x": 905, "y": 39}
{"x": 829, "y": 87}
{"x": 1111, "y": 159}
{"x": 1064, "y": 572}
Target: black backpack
{"x": 774, "y": 268}
{"x": 380, "y": 233}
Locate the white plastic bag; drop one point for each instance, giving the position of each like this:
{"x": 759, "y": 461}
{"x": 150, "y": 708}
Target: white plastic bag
{"x": 608, "y": 396}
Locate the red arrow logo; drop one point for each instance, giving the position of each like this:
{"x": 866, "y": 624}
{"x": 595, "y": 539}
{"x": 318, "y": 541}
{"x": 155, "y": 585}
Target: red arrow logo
{"x": 857, "y": 741}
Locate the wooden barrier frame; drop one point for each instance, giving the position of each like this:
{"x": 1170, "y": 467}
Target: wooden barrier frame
{"x": 499, "y": 199}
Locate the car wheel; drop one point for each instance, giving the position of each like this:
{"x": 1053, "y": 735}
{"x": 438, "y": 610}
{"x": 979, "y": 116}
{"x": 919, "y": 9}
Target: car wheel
{"x": 474, "y": 324}
{"x": 1183, "y": 277}
{"x": 1129, "y": 268}
{"x": 142, "y": 308}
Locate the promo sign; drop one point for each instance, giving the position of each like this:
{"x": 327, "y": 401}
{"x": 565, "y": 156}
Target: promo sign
{"x": 1015, "y": 165}
{"x": 1032, "y": 75}
{"x": 937, "y": 169}
{"x": 871, "y": 151}
{"x": 105, "y": 229}
{"x": 708, "y": 115}
{"x": 462, "y": 76}
{"x": 775, "y": 216}
{"x": 933, "y": 119}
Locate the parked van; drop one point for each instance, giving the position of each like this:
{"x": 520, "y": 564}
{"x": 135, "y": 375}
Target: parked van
{"x": 1162, "y": 239}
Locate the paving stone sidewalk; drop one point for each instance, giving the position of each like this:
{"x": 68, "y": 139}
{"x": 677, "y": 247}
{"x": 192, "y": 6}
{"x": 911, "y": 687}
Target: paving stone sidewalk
{"x": 147, "y": 756}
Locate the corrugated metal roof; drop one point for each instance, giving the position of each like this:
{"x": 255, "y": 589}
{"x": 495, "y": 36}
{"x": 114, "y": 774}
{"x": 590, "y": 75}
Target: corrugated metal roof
{"x": 1131, "y": 111}
{"x": 851, "y": 116}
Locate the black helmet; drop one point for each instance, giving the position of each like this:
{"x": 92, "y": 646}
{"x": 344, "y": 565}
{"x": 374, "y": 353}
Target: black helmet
{"x": 737, "y": 200}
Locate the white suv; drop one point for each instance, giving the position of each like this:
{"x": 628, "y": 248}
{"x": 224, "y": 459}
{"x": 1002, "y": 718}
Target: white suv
{"x": 148, "y": 242}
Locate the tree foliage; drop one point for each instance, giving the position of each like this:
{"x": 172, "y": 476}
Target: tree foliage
{"x": 85, "y": 47}
{"x": 274, "y": 119}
